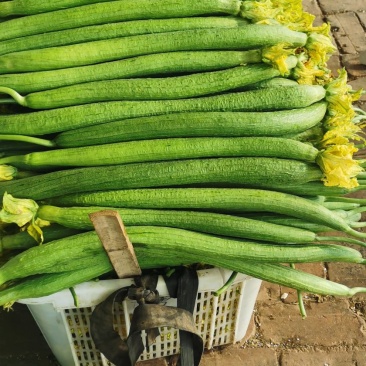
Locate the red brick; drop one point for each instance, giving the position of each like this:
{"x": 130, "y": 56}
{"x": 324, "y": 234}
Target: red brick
{"x": 317, "y": 358}
{"x": 353, "y": 66}
{"x": 362, "y": 16}
{"x": 268, "y": 292}
{"x": 348, "y": 32}
{"x": 325, "y": 324}
{"x": 359, "y": 357}
{"x": 348, "y": 23}
{"x": 335, "y": 6}
{"x": 351, "y": 275}
{"x": 155, "y": 362}
{"x": 235, "y": 356}
{"x": 316, "y": 268}
{"x": 312, "y": 7}
{"x": 250, "y": 331}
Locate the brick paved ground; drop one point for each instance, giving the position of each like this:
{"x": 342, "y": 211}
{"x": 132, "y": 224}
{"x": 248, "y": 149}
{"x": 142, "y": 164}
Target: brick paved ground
{"x": 334, "y": 332}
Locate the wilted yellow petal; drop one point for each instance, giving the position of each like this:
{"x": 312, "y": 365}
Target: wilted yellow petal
{"x": 356, "y": 94}
{"x": 8, "y": 306}
{"x": 319, "y": 47}
{"x": 278, "y": 55}
{"x": 333, "y": 139}
{"x": 7, "y": 172}
{"x": 301, "y": 22}
{"x": 341, "y": 103}
{"x": 341, "y": 134}
{"x": 339, "y": 85}
{"x": 308, "y": 73}
{"x": 322, "y": 29}
{"x": 35, "y": 232}
{"x": 292, "y": 15}
{"x": 259, "y": 10}
{"x": 340, "y": 96}
{"x": 42, "y": 223}
{"x": 336, "y": 119}
{"x": 18, "y": 211}
{"x": 338, "y": 166}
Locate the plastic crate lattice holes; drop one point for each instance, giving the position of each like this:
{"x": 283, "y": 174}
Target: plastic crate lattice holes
{"x": 220, "y": 320}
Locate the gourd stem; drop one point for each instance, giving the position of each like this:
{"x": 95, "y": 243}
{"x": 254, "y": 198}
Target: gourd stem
{"x": 29, "y": 139}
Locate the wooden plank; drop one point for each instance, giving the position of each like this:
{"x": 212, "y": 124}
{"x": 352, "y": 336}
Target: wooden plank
{"x": 112, "y": 233}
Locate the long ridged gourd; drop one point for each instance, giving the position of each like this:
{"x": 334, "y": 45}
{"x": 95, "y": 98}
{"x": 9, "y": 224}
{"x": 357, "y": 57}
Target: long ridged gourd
{"x": 87, "y": 53}
{"x": 62, "y": 119}
{"x": 196, "y": 124}
{"x": 63, "y": 254}
{"x": 159, "y": 174}
{"x": 145, "y": 65}
{"x": 115, "y": 11}
{"x": 164, "y": 150}
{"x": 173, "y": 87}
{"x": 114, "y": 30}
{"x": 211, "y": 199}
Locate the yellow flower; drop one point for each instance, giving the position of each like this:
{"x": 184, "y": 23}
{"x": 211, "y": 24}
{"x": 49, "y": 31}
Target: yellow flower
{"x": 35, "y": 231}
{"x": 338, "y": 166}
{"x": 260, "y": 10}
{"x": 292, "y": 13}
{"x": 341, "y": 134}
{"x": 340, "y": 103}
{"x": 339, "y": 85}
{"x": 356, "y": 94}
{"x": 301, "y": 22}
{"x": 341, "y": 125}
{"x": 340, "y": 96}
{"x": 334, "y": 119}
{"x": 18, "y": 211}
{"x": 278, "y": 55}
{"x": 339, "y": 88}
{"x": 7, "y": 172}
{"x": 308, "y": 73}
{"x": 23, "y": 212}
{"x": 319, "y": 47}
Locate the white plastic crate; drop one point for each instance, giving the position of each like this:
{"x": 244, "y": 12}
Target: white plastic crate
{"x": 219, "y": 320}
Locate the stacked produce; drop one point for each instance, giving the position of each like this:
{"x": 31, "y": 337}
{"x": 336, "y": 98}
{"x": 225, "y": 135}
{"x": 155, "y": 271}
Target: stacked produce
{"x": 214, "y": 128}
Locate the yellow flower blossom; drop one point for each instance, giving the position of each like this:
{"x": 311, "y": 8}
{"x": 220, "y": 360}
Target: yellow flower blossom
{"x": 35, "y": 231}
{"x": 22, "y": 211}
{"x": 324, "y": 29}
{"x": 301, "y": 22}
{"x": 341, "y": 135}
{"x": 356, "y": 94}
{"x": 319, "y": 48}
{"x": 340, "y": 98}
{"x": 7, "y": 172}
{"x": 259, "y": 10}
{"x": 308, "y": 73}
{"x": 334, "y": 119}
{"x": 292, "y": 10}
{"x": 338, "y": 166}
{"x": 278, "y": 55}
{"x": 340, "y": 103}
{"x": 19, "y": 211}
{"x": 339, "y": 85}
